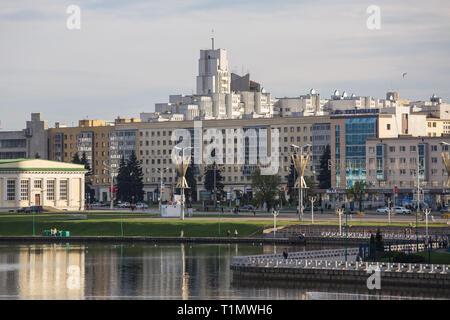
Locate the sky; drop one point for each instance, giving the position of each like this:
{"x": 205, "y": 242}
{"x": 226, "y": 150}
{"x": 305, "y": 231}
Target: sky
{"x": 130, "y": 54}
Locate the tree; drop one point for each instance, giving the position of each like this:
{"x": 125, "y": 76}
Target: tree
{"x": 209, "y": 180}
{"x": 123, "y": 190}
{"x": 84, "y": 161}
{"x": 292, "y": 177}
{"x": 191, "y": 192}
{"x": 135, "y": 179}
{"x": 76, "y": 158}
{"x": 266, "y": 188}
{"x": 310, "y": 191}
{"x": 325, "y": 173}
{"x": 356, "y": 192}
{"x": 89, "y": 192}
{"x": 379, "y": 245}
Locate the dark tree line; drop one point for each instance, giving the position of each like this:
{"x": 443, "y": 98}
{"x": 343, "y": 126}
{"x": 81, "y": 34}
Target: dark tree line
{"x": 130, "y": 182}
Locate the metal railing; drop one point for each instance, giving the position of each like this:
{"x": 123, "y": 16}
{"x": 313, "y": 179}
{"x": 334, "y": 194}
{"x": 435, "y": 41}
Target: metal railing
{"x": 313, "y": 254}
{"x": 341, "y": 265}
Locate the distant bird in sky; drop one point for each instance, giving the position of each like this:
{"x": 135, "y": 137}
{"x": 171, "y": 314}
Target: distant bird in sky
{"x": 404, "y": 74}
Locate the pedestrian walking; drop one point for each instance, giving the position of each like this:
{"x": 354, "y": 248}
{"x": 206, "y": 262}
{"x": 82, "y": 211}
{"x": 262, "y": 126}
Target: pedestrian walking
{"x": 235, "y": 233}
{"x": 228, "y": 232}
{"x": 285, "y": 253}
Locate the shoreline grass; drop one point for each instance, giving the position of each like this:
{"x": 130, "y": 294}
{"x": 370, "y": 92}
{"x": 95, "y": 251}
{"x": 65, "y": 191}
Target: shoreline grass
{"x": 144, "y": 224}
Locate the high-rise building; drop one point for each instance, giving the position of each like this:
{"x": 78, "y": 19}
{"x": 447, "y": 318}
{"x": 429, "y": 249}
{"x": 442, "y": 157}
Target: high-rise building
{"x": 213, "y": 76}
{"x": 31, "y": 142}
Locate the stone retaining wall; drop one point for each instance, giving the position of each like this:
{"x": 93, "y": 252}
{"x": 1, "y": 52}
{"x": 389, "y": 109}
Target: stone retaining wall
{"x": 434, "y": 280}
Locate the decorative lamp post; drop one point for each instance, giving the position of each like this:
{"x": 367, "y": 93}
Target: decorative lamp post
{"x": 182, "y": 183}
{"x": 300, "y": 163}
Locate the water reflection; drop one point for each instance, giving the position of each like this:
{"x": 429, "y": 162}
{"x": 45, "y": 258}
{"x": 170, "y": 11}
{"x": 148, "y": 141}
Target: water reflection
{"x": 139, "y": 271}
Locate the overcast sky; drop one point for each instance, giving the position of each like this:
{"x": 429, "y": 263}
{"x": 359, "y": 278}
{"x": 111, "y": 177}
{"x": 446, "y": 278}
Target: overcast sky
{"x": 130, "y": 54}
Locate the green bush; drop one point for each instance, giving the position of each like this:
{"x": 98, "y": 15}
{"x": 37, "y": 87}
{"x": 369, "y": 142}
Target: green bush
{"x": 401, "y": 257}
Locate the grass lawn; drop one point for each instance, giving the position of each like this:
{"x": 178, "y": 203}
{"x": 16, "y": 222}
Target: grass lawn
{"x": 436, "y": 257}
{"x": 144, "y": 224}
{"x": 109, "y": 224}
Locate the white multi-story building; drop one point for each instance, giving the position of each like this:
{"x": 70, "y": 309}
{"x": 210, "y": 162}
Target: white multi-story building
{"x": 219, "y": 95}
{"x": 213, "y": 76}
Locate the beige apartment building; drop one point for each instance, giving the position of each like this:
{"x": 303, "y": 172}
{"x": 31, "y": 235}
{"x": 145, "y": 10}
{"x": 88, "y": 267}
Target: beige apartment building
{"x": 437, "y": 127}
{"x": 154, "y": 149}
{"x": 399, "y": 164}
{"x": 101, "y": 143}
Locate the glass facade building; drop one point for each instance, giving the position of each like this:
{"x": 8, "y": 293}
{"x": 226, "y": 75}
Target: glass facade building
{"x": 357, "y": 130}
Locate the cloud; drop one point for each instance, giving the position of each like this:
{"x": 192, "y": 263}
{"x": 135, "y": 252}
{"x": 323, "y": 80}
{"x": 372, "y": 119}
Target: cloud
{"x": 130, "y": 54}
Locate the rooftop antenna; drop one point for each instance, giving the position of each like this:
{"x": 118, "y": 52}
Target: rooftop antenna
{"x": 212, "y": 38}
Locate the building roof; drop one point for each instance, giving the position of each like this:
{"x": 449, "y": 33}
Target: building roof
{"x": 38, "y": 165}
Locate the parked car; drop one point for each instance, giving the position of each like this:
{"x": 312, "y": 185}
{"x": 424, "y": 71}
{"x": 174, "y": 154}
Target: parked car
{"x": 445, "y": 210}
{"x": 383, "y": 210}
{"x": 96, "y": 204}
{"x": 141, "y": 205}
{"x": 35, "y": 209}
{"x": 401, "y": 210}
{"x": 123, "y": 204}
{"x": 308, "y": 208}
{"x": 106, "y": 203}
{"x": 247, "y": 207}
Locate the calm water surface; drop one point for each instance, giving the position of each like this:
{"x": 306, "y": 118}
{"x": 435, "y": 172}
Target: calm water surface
{"x": 146, "y": 271}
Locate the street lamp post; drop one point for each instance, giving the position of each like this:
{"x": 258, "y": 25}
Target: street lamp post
{"x": 111, "y": 202}
{"x": 340, "y": 212}
{"x": 389, "y": 211}
{"x": 312, "y": 199}
{"x": 275, "y": 214}
{"x": 161, "y": 171}
{"x": 300, "y": 187}
{"x": 346, "y": 233}
{"x": 427, "y": 212}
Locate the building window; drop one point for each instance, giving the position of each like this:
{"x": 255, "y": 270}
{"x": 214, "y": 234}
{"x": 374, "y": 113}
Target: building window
{"x": 38, "y": 184}
{"x": 50, "y": 189}
{"x": 388, "y": 126}
{"x": 24, "y": 189}
{"x": 63, "y": 190}
{"x": 11, "y": 190}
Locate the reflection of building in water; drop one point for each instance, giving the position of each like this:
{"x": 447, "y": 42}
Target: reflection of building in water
{"x": 102, "y": 272}
{"x": 44, "y": 273}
